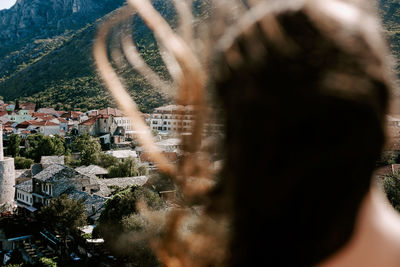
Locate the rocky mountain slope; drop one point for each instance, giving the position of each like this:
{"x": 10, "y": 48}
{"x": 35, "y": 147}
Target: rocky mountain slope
{"x": 37, "y": 19}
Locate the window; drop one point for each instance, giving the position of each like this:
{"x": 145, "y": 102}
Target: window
{"x": 165, "y": 128}
{"x": 83, "y": 188}
{"x": 165, "y": 122}
{"x": 169, "y": 122}
{"x": 155, "y": 122}
{"x": 169, "y": 128}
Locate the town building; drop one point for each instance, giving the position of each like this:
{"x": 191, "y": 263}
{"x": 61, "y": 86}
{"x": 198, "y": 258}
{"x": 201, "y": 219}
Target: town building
{"x": 172, "y": 118}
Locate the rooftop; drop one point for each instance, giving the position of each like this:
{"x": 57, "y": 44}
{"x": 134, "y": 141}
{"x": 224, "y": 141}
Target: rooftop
{"x": 55, "y": 172}
{"x": 94, "y": 204}
{"x": 52, "y": 159}
{"x": 92, "y": 169}
{"x": 25, "y": 186}
{"x": 126, "y": 181}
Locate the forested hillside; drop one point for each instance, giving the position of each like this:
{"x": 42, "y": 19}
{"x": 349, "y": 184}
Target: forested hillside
{"x": 59, "y": 71}
{"x": 54, "y": 66}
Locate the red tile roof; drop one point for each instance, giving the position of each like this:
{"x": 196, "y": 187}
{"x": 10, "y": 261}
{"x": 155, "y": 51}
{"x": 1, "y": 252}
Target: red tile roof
{"x": 40, "y": 123}
{"x": 71, "y": 114}
{"x": 90, "y": 121}
{"x": 111, "y": 111}
{"x": 27, "y": 106}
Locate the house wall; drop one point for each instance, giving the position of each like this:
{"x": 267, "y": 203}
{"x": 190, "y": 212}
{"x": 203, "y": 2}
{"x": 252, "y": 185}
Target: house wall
{"x": 171, "y": 122}
{"x": 126, "y": 123}
{"x": 90, "y": 129}
{"x": 50, "y": 130}
{"x": 24, "y": 197}
{"x": 105, "y": 125}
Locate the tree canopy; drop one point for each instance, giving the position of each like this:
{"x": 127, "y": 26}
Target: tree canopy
{"x": 88, "y": 146}
{"x": 38, "y": 145}
{"x": 128, "y": 168}
{"x": 13, "y": 145}
{"x": 64, "y": 213}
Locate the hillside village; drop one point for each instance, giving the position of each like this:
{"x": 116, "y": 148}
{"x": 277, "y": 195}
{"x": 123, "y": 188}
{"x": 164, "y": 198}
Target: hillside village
{"x": 68, "y": 172}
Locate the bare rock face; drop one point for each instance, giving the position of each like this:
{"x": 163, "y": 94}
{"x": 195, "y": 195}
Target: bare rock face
{"x": 29, "y": 19}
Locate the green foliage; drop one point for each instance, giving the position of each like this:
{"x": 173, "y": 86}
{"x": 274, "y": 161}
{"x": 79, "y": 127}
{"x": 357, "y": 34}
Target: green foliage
{"x": 128, "y": 168}
{"x": 22, "y": 163}
{"x": 71, "y": 162}
{"x": 89, "y": 147}
{"x": 62, "y": 74}
{"x": 124, "y": 204}
{"x": 13, "y": 144}
{"x": 106, "y": 160}
{"x": 139, "y": 248}
{"x": 134, "y": 222}
{"x": 120, "y": 219}
{"x": 161, "y": 182}
{"x": 391, "y": 184}
{"x": 64, "y": 213}
{"x": 87, "y": 235}
{"x": 39, "y": 145}
{"x": 47, "y": 262}
{"x": 388, "y": 158}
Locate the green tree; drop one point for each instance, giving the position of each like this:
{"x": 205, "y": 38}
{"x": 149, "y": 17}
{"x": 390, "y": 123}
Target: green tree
{"x": 124, "y": 204}
{"x": 88, "y": 146}
{"x": 105, "y": 160}
{"x": 47, "y": 262}
{"x": 128, "y": 168}
{"x": 14, "y": 142}
{"x": 39, "y": 145}
{"x": 32, "y": 144}
{"x": 139, "y": 248}
{"x": 391, "y": 184}
{"x": 64, "y": 214}
{"x": 22, "y": 163}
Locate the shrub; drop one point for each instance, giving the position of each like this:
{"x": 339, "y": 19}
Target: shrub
{"x": 22, "y": 163}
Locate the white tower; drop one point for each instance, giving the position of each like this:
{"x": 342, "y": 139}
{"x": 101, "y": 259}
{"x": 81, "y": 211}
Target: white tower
{"x": 7, "y": 176}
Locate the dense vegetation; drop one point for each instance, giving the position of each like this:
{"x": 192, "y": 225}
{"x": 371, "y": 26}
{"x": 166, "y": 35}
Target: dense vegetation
{"x": 59, "y": 71}
{"x": 390, "y": 12}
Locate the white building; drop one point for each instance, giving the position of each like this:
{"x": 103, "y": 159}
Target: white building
{"x": 172, "y": 118}
{"x": 122, "y": 154}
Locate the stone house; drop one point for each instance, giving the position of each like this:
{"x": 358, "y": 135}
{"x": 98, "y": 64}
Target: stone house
{"x": 57, "y": 179}
{"x": 98, "y": 125}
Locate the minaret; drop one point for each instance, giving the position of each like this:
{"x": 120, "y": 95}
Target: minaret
{"x": 7, "y": 176}
{"x": 1, "y": 143}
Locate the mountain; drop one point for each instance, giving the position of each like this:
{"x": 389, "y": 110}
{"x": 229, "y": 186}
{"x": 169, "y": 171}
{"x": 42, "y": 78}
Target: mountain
{"x": 37, "y": 19}
{"x": 46, "y": 51}
{"x": 390, "y": 12}
{"x": 54, "y": 65}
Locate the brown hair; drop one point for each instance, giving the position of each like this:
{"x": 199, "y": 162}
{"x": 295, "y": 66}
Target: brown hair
{"x": 304, "y": 90}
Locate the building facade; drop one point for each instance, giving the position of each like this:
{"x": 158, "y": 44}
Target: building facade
{"x": 172, "y": 118}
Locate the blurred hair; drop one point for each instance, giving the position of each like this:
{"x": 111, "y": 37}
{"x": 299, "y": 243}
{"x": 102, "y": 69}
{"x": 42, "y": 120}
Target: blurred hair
{"x": 304, "y": 87}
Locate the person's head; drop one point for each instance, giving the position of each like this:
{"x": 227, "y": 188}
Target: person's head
{"x": 304, "y": 86}
{"x": 305, "y": 90}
